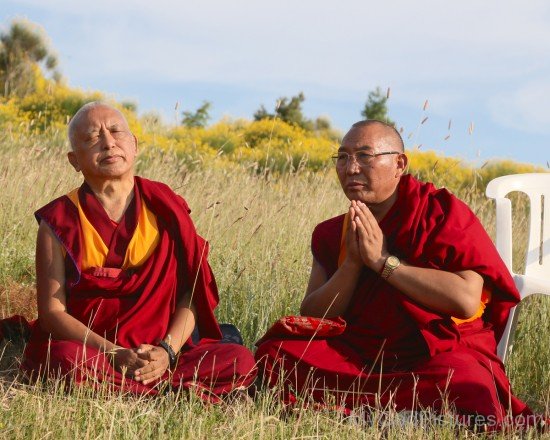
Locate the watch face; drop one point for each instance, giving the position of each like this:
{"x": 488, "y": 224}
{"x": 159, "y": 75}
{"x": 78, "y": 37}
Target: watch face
{"x": 393, "y": 261}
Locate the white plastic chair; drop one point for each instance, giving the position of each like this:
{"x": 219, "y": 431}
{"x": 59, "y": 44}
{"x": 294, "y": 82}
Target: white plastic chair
{"x": 536, "y": 278}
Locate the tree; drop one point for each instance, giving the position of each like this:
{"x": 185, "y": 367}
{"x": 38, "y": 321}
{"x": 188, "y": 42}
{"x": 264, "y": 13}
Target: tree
{"x": 23, "y": 49}
{"x": 289, "y": 111}
{"x": 198, "y": 118}
{"x": 262, "y": 113}
{"x": 131, "y": 106}
{"x": 322, "y": 123}
{"x": 376, "y": 108}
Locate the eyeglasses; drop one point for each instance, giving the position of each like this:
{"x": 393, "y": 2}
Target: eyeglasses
{"x": 363, "y": 159}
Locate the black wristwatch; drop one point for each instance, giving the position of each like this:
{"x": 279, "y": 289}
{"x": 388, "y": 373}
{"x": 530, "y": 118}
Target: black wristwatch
{"x": 171, "y": 354}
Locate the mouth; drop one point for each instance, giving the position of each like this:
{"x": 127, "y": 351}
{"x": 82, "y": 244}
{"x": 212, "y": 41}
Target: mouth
{"x": 354, "y": 185}
{"x": 110, "y": 159}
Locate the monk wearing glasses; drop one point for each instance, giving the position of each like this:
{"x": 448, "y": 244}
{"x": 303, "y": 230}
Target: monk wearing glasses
{"x": 415, "y": 291}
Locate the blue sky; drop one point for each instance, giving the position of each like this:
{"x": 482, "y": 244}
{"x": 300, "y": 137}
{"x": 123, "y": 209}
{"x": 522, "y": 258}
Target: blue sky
{"x": 481, "y": 64}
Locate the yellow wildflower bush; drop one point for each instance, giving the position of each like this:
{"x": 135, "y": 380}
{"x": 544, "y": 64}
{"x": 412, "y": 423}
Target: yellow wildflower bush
{"x": 52, "y": 104}
{"x": 10, "y": 116}
{"x": 445, "y": 171}
{"x": 266, "y": 144}
{"x": 223, "y": 136}
{"x": 496, "y": 168}
{"x": 281, "y": 146}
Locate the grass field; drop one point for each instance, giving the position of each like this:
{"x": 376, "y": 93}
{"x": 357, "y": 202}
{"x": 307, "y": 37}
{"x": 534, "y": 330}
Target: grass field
{"x": 259, "y": 227}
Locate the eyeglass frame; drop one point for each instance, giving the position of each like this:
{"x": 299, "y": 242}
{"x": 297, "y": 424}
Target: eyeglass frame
{"x": 371, "y": 156}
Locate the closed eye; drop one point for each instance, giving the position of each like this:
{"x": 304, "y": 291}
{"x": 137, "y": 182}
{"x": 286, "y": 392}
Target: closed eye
{"x": 360, "y": 155}
{"x": 119, "y": 134}
{"x": 92, "y": 137}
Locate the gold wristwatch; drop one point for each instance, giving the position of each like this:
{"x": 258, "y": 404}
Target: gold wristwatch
{"x": 392, "y": 263}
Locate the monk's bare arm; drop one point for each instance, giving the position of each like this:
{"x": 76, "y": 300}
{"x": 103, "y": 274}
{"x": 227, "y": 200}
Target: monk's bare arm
{"x": 455, "y": 293}
{"x": 52, "y": 309}
{"x": 182, "y": 323}
{"x": 329, "y": 298}
{"x": 50, "y": 287}
{"x": 181, "y": 326}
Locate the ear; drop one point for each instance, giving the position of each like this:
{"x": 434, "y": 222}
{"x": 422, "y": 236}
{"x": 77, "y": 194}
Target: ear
{"x": 402, "y": 163}
{"x": 73, "y": 161}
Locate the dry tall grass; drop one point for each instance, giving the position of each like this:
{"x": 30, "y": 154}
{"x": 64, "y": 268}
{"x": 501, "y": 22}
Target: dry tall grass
{"x": 259, "y": 227}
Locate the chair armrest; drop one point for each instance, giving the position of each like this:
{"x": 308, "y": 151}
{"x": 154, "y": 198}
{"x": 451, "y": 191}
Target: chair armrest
{"x": 527, "y": 285}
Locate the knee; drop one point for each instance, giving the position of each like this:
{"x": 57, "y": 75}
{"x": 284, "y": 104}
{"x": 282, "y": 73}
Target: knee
{"x": 268, "y": 351}
{"x": 64, "y": 352}
{"x": 60, "y": 357}
{"x": 473, "y": 381}
{"x": 465, "y": 369}
{"x": 469, "y": 385}
{"x": 243, "y": 359}
{"x": 68, "y": 355}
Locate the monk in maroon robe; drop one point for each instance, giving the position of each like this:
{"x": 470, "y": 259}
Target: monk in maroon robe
{"x": 420, "y": 286}
{"x": 123, "y": 278}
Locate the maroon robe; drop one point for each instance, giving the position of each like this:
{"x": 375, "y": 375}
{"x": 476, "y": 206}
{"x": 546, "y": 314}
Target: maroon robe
{"x": 134, "y": 306}
{"x": 395, "y": 351}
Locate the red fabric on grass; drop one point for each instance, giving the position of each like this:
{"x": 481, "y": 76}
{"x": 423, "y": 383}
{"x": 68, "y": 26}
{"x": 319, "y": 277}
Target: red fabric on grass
{"x": 304, "y": 326}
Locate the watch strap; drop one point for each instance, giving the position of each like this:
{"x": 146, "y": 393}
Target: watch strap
{"x": 170, "y": 351}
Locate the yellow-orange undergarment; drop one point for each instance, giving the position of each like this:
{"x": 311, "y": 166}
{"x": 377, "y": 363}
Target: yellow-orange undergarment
{"x": 142, "y": 244}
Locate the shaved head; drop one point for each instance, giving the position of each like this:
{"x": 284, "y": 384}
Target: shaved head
{"x": 393, "y": 135}
{"x": 379, "y": 161}
{"x": 80, "y": 115}
{"x": 102, "y": 145}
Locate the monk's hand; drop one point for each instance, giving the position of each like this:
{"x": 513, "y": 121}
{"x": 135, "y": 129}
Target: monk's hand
{"x": 371, "y": 242}
{"x": 158, "y": 362}
{"x": 127, "y": 361}
{"x": 353, "y": 256}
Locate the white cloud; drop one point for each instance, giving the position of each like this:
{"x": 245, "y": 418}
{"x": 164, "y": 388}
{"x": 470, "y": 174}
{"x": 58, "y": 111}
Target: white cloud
{"x": 353, "y": 43}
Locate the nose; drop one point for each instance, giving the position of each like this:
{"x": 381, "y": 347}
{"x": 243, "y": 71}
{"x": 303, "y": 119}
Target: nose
{"x": 108, "y": 139}
{"x": 352, "y": 166}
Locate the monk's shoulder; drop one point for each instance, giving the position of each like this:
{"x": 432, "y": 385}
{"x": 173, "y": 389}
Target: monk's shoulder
{"x": 161, "y": 190}
{"x": 325, "y": 243}
{"x": 61, "y": 206}
{"x": 155, "y": 186}
{"x": 451, "y": 209}
{"x": 331, "y": 228}
{"x": 326, "y": 235}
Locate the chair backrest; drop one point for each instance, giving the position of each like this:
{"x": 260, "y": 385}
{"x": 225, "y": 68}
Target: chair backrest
{"x": 537, "y": 188}
{"x": 537, "y": 260}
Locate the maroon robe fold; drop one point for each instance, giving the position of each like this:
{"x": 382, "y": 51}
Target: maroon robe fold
{"x": 134, "y": 306}
{"x": 394, "y": 350}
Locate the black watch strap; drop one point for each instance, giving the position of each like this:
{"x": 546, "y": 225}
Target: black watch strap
{"x": 170, "y": 351}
